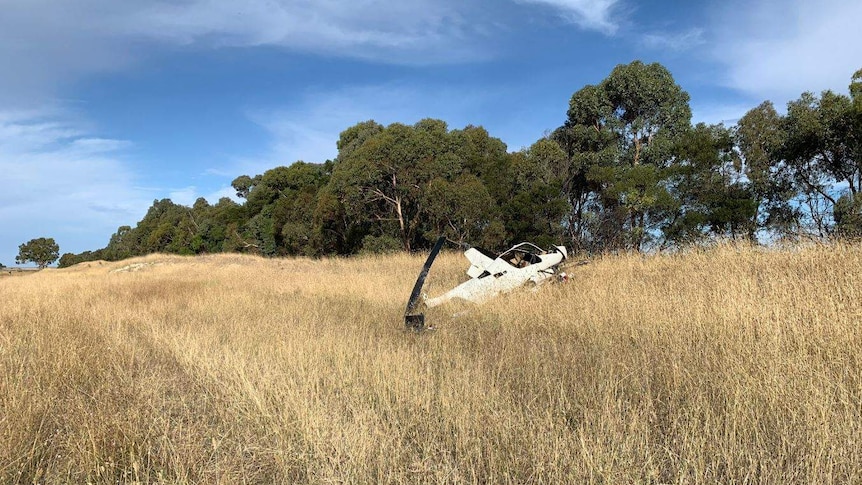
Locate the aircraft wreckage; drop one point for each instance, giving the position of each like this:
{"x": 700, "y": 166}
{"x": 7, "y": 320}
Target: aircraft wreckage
{"x": 489, "y": 276}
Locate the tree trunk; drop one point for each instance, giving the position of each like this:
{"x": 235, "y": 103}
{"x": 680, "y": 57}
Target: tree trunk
{"x": 404, "y": 236}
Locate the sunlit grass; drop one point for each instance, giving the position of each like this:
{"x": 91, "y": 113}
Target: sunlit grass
{"x": 732, "y": 365}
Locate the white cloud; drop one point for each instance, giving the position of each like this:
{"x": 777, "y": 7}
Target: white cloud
{"x": 184, "y": 196}
{"x": 58, "y": 182}
{"x": 678, "y": 41}
{"x": 226, "y": 191}
{"x": 352, "y": 28}
{"x": 189, "y": 195}
{"x": 727, "y": 113}
{"x": 780, "y": 48}
{"x": 588, "y": 14}
{"x": 99, "y": 145}
{"x": 46, "y": 44}
{"x": 309, "y": 129}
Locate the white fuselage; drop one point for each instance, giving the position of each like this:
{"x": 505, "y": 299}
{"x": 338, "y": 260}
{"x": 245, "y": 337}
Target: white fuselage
{"x": 498, "y": 276}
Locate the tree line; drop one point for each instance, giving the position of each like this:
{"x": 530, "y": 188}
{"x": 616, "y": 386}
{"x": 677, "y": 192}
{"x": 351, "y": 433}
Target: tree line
{"x": 627, "y": 170}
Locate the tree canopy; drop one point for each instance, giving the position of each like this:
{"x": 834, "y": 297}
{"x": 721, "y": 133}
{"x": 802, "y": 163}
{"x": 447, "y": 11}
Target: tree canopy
{"x": 626, "y": 170}
{"x": 42, "y": 251}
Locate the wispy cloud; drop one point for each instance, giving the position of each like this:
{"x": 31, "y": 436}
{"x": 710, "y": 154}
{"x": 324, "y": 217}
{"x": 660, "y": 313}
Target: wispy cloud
{"x": 326, "y": 24}
{"x": 727, "y": 113}
{"x": 185, "y": 196}
{"x": 587, "y": 14}
{"x": 45, "y": 44}
{"x": 674, "y": 41}
{"x": 309, "y": 129}
{"x": 190, "y": 194}
{"x": 778, "y": 49}
{"x": 59, "y": 182}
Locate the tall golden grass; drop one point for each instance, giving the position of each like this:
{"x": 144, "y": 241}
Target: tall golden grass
{"x": 729, "y": 365}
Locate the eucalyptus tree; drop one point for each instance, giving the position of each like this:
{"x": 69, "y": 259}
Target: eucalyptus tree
{"x": 379, "y": 183}
{"x": 848, "y": 209}
{"x": 760, "y": 137}
{"x": 712, "y": 195}
{"x": 459, "y": 210}
{"x": 279, "y": 207}
{"x": 823, "y": 152}
{"x": 537, "y": 208}
{"x": 621, "y": 137}
{"x": 42, "y": 251}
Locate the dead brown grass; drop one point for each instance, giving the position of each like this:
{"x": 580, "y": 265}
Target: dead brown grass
{"x": 733, "y": 365}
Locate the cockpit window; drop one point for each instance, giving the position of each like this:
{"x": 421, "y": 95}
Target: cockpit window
{"x": 521, "y": 259}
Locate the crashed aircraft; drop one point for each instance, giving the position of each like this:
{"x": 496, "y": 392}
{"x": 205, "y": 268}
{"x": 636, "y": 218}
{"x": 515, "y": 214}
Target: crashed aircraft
{"x": 489, "y": 276}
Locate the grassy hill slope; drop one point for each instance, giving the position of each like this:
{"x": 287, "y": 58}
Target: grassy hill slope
{"x": 724, "y": 366}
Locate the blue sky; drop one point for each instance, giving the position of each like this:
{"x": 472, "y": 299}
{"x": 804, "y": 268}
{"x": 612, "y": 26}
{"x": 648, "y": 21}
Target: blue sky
{"x": 106, "y": 105}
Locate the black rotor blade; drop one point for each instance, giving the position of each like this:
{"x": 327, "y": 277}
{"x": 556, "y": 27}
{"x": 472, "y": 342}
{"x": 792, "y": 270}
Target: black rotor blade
{"x": 411, "y": 319}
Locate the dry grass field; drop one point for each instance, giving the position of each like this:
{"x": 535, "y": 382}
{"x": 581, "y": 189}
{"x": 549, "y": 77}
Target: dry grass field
{"x": 729, "y": 365}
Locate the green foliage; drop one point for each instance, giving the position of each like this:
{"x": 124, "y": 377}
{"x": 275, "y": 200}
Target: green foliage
{"x": 485, "y": 157}
{"x": 460, "y": 209}
{"x": 67, "y": 259}
{"x": 243, "y": 185}
{"x": 355, "y": 136}
{"x": 646, "y": 110}
{"x": 821, "y": 148}
{"x": 538, "y": 205}
{"x": 42, "y": 251}
{"x": 379, "y": 245}
{"x": 801, "y": 165}
{"x": 848, "y": 217}
{"x": 707, "y": 184}
{"x": 856, "y": 89}
{"x": 760, "y": 138}
{"x": 626, "y": 171}
{"x": 620, "y": 137}
{"x": 413, "y": 182}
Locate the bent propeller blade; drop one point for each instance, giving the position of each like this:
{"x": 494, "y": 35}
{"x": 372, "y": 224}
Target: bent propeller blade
{"x": 412, "y": 319}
